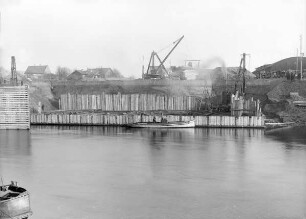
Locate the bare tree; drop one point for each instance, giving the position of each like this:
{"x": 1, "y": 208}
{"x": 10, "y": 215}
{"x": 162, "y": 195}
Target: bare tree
{"x": 62, "y": 72}
{"x": 117, "y": 73}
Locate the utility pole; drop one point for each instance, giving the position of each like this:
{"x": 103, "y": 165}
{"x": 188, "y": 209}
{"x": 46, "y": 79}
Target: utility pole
{"x": 301, "y": 55}
{"x": 243, "y": 73}
{"x": 297, "y": 60}
{"x": 13, "y": 71}
{"x": 142, "y": 67}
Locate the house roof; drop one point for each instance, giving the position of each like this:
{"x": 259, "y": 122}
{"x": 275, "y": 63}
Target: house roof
{"x": 263, "y": 67}
{"x": 40, "y": 69}
{"x": 98, "y": 71}
{"x": 79, "y": 72}
{"x": 93, "y": 72}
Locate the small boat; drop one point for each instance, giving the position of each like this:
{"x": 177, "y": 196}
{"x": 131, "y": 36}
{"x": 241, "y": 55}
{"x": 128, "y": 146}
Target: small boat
{"x": 269, "y": 126}
{"x": 14, "y": 202}
{"x": 176, "y": 124}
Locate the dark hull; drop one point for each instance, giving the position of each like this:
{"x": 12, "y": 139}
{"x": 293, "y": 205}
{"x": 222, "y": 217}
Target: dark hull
{"x": 270, "y": 127}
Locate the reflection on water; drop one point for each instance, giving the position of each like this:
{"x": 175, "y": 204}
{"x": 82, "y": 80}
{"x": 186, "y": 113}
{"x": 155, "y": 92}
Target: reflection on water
{"x": 15, "y": 153}
{"x": 116, "y": 172}
{"x": 294, "y": 137}
{"x": 63, "y": 130}
{"x": 15, "y": 142}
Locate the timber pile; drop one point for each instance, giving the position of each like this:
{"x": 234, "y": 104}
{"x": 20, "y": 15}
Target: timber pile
{"x": 128, "y": 102}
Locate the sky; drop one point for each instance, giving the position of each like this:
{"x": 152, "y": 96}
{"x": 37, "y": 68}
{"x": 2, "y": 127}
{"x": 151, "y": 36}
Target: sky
{"x": 121, "y": 34}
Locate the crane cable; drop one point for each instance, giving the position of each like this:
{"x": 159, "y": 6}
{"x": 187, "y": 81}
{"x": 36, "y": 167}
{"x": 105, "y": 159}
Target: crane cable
{"x": 166, "y": 47}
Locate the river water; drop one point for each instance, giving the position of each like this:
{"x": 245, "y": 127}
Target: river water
{"x": 111, "y": 172}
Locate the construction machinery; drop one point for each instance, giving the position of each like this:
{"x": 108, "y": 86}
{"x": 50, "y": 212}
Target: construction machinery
{"x": 13, "y": 71}
{"x": 240, "y": 81}
{"x": 159, "y": 71}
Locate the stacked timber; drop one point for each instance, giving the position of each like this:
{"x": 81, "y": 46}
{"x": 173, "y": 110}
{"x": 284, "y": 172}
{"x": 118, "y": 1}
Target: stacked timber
{"x": 127, "y": 102}
{"x": 14, "y": 107}
{"x": 125, "y": 119}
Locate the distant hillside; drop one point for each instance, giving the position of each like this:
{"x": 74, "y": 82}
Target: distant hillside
{"x": 291, "y": 63}
{"x": 284, "y": 65}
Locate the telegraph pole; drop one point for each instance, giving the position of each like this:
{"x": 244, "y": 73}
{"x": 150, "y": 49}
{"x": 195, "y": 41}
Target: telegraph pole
{"x": 301, "y": 55}
{"x": 243, "y": 73}
{"x": 297, "y": 61}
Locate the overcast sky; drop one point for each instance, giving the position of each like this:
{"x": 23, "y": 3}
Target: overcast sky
{"x": 119, "y": 33}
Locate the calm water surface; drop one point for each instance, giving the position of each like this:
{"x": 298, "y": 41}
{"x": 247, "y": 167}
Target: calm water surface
{"x": 107, "y": 172}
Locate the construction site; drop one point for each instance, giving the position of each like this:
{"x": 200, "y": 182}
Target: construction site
{"x": 161, "y": 92}
{"x": 186, "y": 90}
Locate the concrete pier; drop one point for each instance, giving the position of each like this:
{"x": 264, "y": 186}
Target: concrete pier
{"x": 14, "y": 107}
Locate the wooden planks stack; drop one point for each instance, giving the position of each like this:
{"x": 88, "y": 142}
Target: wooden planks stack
{"x": 14, "y": 107}
{"x": 119, "y": 120}
{"x": 127, "y": 102}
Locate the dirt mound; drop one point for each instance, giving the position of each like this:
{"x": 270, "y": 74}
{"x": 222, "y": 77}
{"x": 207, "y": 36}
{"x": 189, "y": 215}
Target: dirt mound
{"x": 283, "y": 90}
{"x": 41, "y": 92}
{"x": 294, "y": 114}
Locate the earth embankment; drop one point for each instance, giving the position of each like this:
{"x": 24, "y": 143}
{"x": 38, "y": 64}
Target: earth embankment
{"x": 167, "y": 87}
{"x": 275, "y": 94}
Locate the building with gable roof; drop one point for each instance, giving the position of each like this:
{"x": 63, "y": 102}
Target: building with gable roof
{"x": 99, "y": 73}
{"x": 77, "y": 75}
{"x": 91, "y": 74}
{"x": 37, "y": 71}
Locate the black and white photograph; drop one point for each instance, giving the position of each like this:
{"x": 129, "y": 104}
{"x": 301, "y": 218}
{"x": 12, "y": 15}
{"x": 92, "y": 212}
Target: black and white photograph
{"x": 164, "y": 109}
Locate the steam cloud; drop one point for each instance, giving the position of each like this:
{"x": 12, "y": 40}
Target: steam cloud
{"x": 212, "y": 63}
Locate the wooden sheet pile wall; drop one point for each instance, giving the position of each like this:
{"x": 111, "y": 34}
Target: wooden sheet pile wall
{"x": 127, "y": 102}
{"x": 108, "y": 119}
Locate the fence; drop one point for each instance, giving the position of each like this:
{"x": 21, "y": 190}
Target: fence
{"x": 120, "y": 120}
{"x": 14, "y": 107}
{"x": 127, "y": 102}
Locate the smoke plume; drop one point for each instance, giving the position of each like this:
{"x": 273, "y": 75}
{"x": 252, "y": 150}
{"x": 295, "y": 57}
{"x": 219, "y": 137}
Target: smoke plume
{"x": 211, "y": 64}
